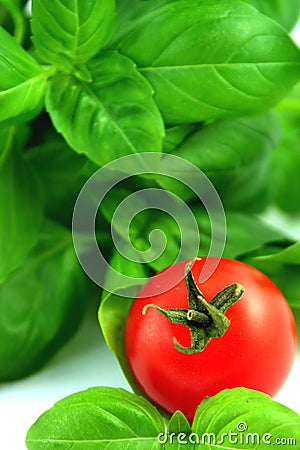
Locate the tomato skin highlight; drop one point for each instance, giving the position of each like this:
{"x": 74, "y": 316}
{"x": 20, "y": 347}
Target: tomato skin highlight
{"x": 257, "y": 351}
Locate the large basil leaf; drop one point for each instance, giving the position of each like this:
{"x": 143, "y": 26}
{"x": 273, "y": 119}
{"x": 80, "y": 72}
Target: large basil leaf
{"x": 72, "y": 32}
{"x": 103, "y": 417}
{"x": 175, "y": 136}
{"x": 61, "y": 172}
{"x": 233, "y": 153}
{"x": 211, "y": 58}
{"x": 283, "y": 181}
{"x": 21, "y": 201}
{"x": 41, "y": 305}
{"x": 244, "y": 418}
{"x": 97, "y": 419}
{"x": 286, "y": 13}
{"x": 22, "y": 81}
{"x": 111, "y": 117}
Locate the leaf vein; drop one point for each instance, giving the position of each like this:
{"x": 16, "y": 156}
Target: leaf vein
{"x": 190, "y": 97}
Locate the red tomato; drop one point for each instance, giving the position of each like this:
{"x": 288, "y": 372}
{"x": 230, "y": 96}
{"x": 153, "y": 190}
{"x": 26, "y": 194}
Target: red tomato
{"x": 256, "y": 351}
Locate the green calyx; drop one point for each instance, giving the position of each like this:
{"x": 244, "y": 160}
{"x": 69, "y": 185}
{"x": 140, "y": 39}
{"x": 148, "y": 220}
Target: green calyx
{"x": 206, "y": 320}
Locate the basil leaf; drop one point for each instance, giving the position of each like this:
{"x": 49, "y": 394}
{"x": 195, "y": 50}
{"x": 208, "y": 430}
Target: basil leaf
{"x": 114, "y": 309}
{"x": 113, "y": 116}
{"x": 22, "y": 82}
{"x": 14, "y": 9}
{"x": 238, "y": 413}
{"x": 178, "y": 432}
{"x": 175, "y": 136}
{"x": 61, "y": 172}
{"x": 239, "y": 227}
{"x": 176, "y": 235}
{"x": 135, "y": 273}
{"x": 21, "y": 202}
{"x": 211, "y": 59}
{"x": 178, "y": 423}
{"x": 41, "y": 305}
{"x": 284, "y": 162}
{"x": 96, "y": 419}
{"x": 288, "y": 255}
{"x": 286, "y": 13}
{"x": 282, "y": 265}
{"x": 70, "y": 33}
{"x": 233, "y": 153}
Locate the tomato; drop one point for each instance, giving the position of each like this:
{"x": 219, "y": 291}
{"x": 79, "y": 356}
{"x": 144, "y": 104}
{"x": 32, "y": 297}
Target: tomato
{"x": 256, "y": 349}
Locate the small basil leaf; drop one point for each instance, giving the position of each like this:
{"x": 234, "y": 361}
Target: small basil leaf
{"x": 178, "y": 433}
{"x": 70, "y": 33}
{"x": 282, "y": 265}
{"x": 114, "y": 309}
{"x": 237, "y": 413}
{"x": 113, "y": 313}
{"x": 289, "y": 255}
{"x": 41, "y": 304}
{"x": 135, "y": 273}
{"x": 22, "y": 203}
{"x": 211, "y": 59}
{"x": 113, "y": 116}
{"x": 179, "y": 423}
{"x": 239, "y": 227}
{"x": 22, "y": 82}
{"x": 176, "y": 235}
{"x": 15, "y": 11}
{"x": 97, "y": 419}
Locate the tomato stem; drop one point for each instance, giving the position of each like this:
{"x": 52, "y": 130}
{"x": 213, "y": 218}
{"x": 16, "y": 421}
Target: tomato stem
{"x": 205, "y": 320}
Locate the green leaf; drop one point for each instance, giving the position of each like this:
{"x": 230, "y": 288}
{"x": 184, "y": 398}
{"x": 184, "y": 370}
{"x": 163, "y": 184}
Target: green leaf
{"x": 282, "y": 265}
{"x": 22, "y": 202}
{"x": 289, "y": 255}
{"x": 246, "y": 413}
{"x": 97, "y": 419}
{"x": 286, "y": 13}
{"x": 233, "y": 153}
{"x": 150, "y": 225}
{"x": 283, "y": 180}
{"x": 41, "y": 305}
{"x": 61, "y": 173}
{"x": 239, "y": 227}
{"x": 113, "y": 116}
{"x": 166, "y": 235}
{"x": 179, "y": 423}
{"x": 114, "y": 309}
{"x": 22, "y": 82}
{"x": 68, "y": 33}
{"x": 176, "y": 135}
{"x": 134, "y": 272}
{"x": 180, "y": 430}
{"x": 14, "y": 9}
{"x": 211, "y": 58}
{"x": 179, "y": 426}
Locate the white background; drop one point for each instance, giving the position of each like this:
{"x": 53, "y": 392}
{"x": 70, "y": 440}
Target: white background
{"x": 85, "y": 362}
